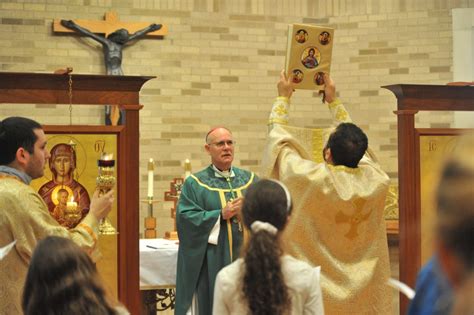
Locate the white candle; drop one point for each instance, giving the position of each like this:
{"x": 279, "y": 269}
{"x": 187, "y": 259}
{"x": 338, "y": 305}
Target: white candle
{"x": 151, "y": 167}
{"x": 187, "y": 168}
{"x": 71, "y": 205}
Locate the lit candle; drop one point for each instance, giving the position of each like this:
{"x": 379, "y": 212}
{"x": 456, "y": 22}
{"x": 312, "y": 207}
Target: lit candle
{"x": 71, "y": 205}
{"x": 187, "y": 168}
{"x": 151, "y": 167}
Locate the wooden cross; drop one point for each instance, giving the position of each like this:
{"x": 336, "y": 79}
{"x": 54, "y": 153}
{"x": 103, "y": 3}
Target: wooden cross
{"x": 110, "y": 25}
{"x": 122, "y": 33}
{"x": 173, "y": 195}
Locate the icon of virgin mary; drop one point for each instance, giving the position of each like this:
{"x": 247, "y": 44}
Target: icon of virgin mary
{"x": 62, "y": 164}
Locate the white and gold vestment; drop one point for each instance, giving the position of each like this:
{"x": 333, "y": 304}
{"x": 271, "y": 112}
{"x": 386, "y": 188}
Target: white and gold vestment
{"x": 338, "y": 215}
{"x": 24, "y": 217}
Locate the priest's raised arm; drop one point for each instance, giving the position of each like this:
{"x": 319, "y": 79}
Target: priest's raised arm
{"x": 339, "y": 195}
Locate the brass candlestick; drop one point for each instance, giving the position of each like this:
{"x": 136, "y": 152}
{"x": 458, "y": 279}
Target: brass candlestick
{"x": 105, "y": 182}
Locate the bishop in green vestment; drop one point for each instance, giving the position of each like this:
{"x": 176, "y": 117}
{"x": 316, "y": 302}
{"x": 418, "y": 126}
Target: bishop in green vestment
{"x": 208, "y": 223}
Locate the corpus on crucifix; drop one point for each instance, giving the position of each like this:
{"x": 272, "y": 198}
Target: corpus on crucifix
{"x": 117, "y": 35}
{"x": 113, "y": 43}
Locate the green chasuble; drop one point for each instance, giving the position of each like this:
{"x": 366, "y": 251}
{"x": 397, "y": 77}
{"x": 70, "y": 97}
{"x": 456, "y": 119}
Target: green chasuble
{"x": 202, "y": 197}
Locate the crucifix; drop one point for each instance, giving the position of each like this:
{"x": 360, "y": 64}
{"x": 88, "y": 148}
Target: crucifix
{"x": 173, "y": 195}
{"x": 116, "y": 35}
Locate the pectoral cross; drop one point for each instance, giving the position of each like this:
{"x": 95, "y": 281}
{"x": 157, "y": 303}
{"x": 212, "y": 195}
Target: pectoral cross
{"x": 233, "y": 195}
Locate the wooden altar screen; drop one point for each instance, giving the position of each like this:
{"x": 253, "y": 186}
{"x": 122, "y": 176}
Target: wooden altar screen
{"x": 411, "y": 99}
{"x": 43, "y": 88}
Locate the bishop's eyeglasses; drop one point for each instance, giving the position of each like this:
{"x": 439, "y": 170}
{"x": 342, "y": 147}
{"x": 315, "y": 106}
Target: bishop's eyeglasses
{"x": 221, "y": 144}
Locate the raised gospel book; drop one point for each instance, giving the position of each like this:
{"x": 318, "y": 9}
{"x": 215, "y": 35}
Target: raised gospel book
{"x": 308, "y": 55}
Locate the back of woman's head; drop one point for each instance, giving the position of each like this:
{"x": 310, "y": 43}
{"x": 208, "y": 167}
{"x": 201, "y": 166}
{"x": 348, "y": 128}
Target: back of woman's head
{"x": 455, "y": 223}
{"x": 62, "y": 279}
{"x": 267, "y": 201}
{"x": 265, "y": 211}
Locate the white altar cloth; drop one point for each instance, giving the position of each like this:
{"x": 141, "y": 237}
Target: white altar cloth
{"x": 158, "y": 258}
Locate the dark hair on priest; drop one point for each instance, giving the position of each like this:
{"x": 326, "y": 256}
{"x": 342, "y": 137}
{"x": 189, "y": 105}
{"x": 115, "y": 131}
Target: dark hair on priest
{"x": 265, "y": 212}
{"x": 15, "y": 133}
{"x": 348, "y": 144}
{"x": 62, "y": 279}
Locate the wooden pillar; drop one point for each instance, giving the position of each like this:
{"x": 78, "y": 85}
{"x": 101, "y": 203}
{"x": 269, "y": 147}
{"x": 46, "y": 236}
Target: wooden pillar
{"x": 129, "y": 285}
{"x": 43, "y": 88}
{"x": 408, "y": 175}
{"x": 412, "y": 98}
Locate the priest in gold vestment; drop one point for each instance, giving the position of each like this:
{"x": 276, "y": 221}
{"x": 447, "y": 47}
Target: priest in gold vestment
{"x": 339, "y": 194}
{"x": 24, "y": 216}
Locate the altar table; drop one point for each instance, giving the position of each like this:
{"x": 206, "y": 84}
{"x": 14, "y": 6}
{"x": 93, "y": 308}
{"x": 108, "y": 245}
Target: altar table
{"x": 158, "y": 259}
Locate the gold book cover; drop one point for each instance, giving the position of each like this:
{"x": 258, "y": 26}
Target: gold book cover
{"x": 308, "y": 54}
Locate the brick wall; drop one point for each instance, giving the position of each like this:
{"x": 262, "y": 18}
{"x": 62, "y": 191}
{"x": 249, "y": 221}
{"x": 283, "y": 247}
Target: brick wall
{"x": 220, "y": 62}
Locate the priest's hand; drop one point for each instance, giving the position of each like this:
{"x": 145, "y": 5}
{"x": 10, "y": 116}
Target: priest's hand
{"x": 285, "y": 85}
{"x": 329, "y": 94}
{"x": 101, "y": 206}
{"x": 232, "y": 208}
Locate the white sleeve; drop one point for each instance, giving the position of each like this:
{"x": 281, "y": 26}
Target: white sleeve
{"x": 280, "y": 112}
{"x": 214, "y": 235}
{"x": 338, "y": 112}
{"x": 314, "y": 304}
{"x": 219, "y": 306}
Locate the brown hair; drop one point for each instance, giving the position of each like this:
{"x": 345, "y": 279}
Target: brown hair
{"x": 62, "y": 279}
{"x": 263, "y": 284}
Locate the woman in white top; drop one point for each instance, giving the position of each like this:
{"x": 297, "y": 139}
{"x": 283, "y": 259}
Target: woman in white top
{"x": 265, "y": 280}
